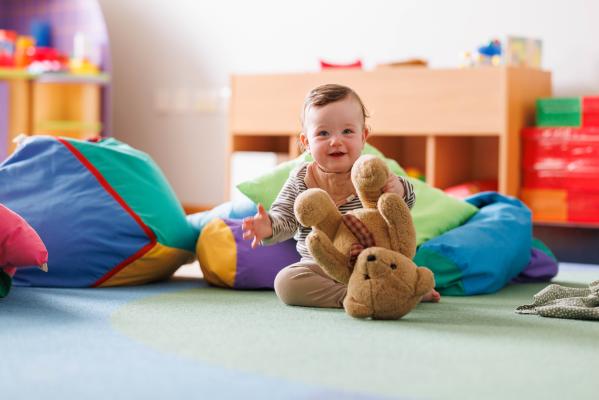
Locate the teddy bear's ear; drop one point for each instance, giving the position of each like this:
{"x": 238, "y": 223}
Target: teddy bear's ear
{"x": 425, "y": 282}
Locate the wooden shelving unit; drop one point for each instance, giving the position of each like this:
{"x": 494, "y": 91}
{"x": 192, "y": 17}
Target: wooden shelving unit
{"x": 51, "y": 104}
{"x": 456, "y": 125}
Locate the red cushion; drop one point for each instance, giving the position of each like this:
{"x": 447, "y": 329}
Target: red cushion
{"x": 20, "y": 245}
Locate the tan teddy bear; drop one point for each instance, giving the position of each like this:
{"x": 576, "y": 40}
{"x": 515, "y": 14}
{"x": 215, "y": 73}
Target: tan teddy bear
{"x": 378, "y": 239}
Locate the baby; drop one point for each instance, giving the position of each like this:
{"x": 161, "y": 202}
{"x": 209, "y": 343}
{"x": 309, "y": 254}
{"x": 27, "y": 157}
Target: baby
{"x": 334, "y": 131}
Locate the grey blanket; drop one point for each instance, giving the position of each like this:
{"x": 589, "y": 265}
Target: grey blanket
{"x": 565, "y": 302}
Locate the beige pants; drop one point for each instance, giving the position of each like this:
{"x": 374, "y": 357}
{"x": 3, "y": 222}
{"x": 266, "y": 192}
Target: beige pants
{"x": 306, "y": 284}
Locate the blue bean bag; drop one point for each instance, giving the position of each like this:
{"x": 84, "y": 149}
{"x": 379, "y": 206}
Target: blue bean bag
{"x": 484, "y": 254}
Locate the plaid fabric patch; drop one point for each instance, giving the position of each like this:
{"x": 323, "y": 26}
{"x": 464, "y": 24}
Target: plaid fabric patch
{"x": 361, "y": 232}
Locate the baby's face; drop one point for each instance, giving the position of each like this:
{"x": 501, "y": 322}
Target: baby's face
{"x": 335, "y": 134}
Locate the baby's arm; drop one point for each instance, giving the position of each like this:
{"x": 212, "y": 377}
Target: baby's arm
{"x": 401, "y": 186}
{"x": 279, "y": 223}
{"x": 257, "y": 227}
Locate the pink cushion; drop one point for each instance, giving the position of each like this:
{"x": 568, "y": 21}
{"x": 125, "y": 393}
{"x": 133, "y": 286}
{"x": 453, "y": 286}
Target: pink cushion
{"x": 20, "y": 245}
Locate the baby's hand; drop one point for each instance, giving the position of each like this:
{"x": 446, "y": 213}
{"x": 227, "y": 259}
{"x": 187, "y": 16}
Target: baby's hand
{"x": 257, "y": 227}
{"x": 393, "y": 185}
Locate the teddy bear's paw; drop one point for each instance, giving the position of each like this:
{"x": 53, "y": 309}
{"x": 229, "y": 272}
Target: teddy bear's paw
{"x": 356, "y": 309}
{"x": 369, "y": 174}
{"x": 332, "y": 262}
{"x": 313, "y": 206}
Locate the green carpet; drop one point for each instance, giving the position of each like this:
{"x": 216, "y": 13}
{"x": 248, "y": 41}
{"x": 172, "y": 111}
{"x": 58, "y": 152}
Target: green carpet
{"x": 464, "y": 347}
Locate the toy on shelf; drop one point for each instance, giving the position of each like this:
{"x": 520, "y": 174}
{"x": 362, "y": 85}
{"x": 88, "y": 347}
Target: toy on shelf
{"x": 7, "y": 48}
{"x": 415, "y": 173}
{"x": 490, "y": 54}
{"x": 80, "y": 61}
{"x": 45, "y": 59}
{"x": 22, "y": 51}
{"x": 327, "y": 65}
{"x": 467, "y": 189}
{"x": 515, "y": 51}
{"x": 409, "y": 62}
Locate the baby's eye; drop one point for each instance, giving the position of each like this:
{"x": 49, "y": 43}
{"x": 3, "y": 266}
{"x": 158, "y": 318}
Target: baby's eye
{"x": 347, "y": 131}
{"x": 322, "y": 133}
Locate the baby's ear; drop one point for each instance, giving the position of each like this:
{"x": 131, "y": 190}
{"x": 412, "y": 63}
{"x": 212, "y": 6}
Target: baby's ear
{"x": 304, "y": 141}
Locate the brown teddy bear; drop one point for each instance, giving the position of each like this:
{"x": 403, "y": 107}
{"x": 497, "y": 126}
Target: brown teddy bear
{"x": 378, "y": 239}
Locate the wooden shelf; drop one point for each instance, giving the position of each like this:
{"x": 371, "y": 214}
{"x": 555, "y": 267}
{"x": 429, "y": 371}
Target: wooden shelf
{"x": 50, "y": 104}
{"x": 455, "y": 125}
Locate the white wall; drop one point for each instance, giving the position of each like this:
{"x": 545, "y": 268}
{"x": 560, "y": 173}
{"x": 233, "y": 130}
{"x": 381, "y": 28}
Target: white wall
{"x": 170, "y": 58}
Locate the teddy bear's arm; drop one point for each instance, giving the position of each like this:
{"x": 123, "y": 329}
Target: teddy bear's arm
{"x": 315, "y": 208}
{"x": 332, "y": 261}
{"x": 397, "y": 215}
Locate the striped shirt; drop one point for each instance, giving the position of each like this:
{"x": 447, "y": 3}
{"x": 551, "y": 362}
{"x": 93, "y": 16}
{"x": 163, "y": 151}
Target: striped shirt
{"x": 284, "y": 223}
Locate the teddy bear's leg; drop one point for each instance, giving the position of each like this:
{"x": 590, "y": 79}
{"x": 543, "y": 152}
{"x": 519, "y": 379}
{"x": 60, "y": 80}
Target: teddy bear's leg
{"x": 332, "y": 261}
{"x": 426, "y": 281}
{"x": 399, "y": 221}
{"x": 369, "y": 176}
{"x": 315, "y": 208}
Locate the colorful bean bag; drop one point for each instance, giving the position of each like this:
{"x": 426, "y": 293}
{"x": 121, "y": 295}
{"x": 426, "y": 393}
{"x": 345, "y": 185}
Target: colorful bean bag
{"x": 485, "y": 253}
{"x": 227, "y": 260}
{"x": 238, "y": 209}
{"x": 20, "y": 246}
{"x": 481, "y": 256}
{"x": 104, "y": 210}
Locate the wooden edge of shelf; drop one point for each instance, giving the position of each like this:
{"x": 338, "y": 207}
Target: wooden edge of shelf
{"x": 68, "y": 126}
{"x": 61, "y": 77}
{"x": 54, "y": 77}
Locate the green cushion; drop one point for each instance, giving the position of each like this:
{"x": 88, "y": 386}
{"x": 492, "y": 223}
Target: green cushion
{"x": 434, "y": 212}
{"x": 5, "y": 283}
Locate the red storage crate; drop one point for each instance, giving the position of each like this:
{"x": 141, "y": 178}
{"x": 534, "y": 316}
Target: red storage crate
{"x": 561, "y": 158}
{"x": 590, "y": 111}
{"x": 583, "y": 206}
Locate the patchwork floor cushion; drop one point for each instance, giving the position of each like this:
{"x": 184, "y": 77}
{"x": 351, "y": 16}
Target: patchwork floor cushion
{"x": 104, "y": 210}
{"x": 227, "y": 260}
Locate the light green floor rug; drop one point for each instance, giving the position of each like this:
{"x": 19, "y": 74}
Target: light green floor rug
{"x": 183, "y": 339}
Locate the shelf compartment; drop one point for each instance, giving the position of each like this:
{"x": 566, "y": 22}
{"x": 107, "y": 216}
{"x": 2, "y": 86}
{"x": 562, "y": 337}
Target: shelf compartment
{"x": 66, "y": 106}
{"x": 453, "y": 160}
{"x": 408, "y": 151}
{"x": 272, "y": 143}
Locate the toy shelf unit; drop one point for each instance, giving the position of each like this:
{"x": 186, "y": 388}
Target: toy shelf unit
{"x": 55, "y": 70}
{"x": 455, "y": 125}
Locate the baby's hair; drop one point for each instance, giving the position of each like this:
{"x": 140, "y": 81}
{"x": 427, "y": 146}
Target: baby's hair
{"x": 330, "y": 93}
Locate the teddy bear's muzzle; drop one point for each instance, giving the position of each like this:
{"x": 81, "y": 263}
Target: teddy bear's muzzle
{"x": 374, "y": 268}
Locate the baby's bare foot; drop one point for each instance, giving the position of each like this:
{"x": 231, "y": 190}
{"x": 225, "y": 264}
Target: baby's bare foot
{"x": 431, "y": 297}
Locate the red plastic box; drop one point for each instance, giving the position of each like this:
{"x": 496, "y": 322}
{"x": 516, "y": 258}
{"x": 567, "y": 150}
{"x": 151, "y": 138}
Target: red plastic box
{"x": 590, "y": 111}
{"x": 561, "y": 158}
{"x": 583, "y": 206}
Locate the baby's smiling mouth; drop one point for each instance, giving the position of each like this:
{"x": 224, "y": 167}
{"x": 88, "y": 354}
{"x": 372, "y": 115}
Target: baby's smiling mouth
{"x": 337, "y": 154}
